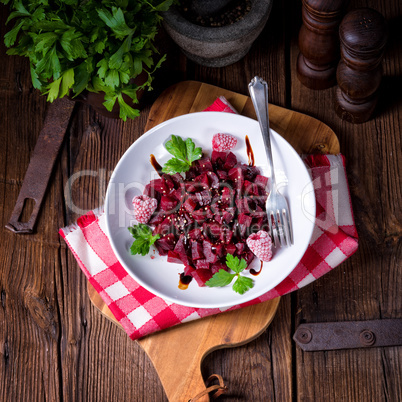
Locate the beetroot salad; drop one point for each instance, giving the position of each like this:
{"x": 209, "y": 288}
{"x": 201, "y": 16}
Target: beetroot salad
{"x": 200, "y": 216}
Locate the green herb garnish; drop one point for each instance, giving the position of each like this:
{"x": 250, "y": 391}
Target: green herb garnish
{"x": 184, "y": 152}
{"x": 143, "y": 239}
{"x": 94, "y": 45}
{"x": 224, "y": 278}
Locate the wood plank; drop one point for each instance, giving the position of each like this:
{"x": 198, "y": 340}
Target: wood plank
{"x": 367, "y": 286}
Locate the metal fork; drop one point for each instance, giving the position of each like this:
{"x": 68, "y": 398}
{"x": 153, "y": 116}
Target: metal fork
{"x": 280, "y": 225}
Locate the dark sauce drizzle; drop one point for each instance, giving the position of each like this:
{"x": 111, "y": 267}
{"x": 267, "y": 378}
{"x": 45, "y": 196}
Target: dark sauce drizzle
{"x": 184, "y": 281}
{"x": 155, "y": 164}
{"x": 254, "y": 272}
{"x": 250, "y": 153}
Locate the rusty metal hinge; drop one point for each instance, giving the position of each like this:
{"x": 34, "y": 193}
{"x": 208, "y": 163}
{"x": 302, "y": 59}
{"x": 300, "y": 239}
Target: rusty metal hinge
{"x": 349, "y": 334}
{"x": 40, "y": 167}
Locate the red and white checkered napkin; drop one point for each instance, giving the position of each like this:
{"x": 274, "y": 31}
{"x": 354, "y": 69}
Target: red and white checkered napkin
{"x": 141, "y": 312}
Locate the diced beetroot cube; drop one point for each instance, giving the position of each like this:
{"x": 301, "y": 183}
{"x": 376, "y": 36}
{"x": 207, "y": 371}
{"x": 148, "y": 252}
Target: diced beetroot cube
{"x": 230, "y": 162}
{"x": 228, "y": 214}
{"x": 218, "y": 266}
{"x": 177, "y": 179}
{"x": 240, "y": 247}
{"x": 167, "y": 242}
{"x": 202, "y": 275}
{"x": 211, "y": 229}
{"x": 195, "y": 234}
{"x": 258, "y": 212}
{"x": 188, "y": 270}
{"x": 199, "y": 215}
{"x": 181, "y": 251}
{"x": 220, "y": 249}
{"x": 151, "y": 192}
{"x": 201, "y": 182}
{"x": 168, "y": 182}
{"x": 192, "y": 173}
{"x": 261, "y": 199}
{"x": 208, "y": 212}
{"x": 218, "y": 158}
{"x": 248, "y": 256}
{"x": 196, "y": 250}
{"x": 191, "y": 187}
{"x": 168, "y": 203}
{"x": 218, "y": 217}
{"x": 242, "y": 205}
{"x": 227, "y": 195}
{"x": 204, "y": 165}
{"x": 189, "y": 205}
{"x": 157, "y": 218}
{"x": 208, "y": 253}
{"x": 189, "y": 218}
{"x": 203, "y": 198}
{"x": 226, "y": 236}
{"x": 261, "y": 223}
{"x": 161, "y": 250}
{"x": 230, "y": 249}
{"x": 213, "y": 179}
{"x": 249, "y": 172}
{"x": 236, "y": 175}
{"x": 261, "y": 182}
{"x": 202, "y": 264}
{"x": 222, "y": 174}
{"x": 159, "y": 185}
{"x": 178, "y": 193}
{"x": 173, "y": 257}
{"x": 245, "y": 219}
{"x": 180, "y": 221}
{"x": 165, "y": 227}
{"x": 250, "y": 189}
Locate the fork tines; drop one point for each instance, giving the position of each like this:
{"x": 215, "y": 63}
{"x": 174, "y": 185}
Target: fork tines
{"x": 280, "y": 228}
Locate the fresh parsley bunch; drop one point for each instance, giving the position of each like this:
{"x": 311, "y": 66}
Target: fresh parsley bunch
{"x": 94, "y": 45}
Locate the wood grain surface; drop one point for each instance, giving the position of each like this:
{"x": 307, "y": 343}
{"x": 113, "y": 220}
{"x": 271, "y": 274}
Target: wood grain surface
{"x": 180, "y": 372}
{"x": 54, "y": 344}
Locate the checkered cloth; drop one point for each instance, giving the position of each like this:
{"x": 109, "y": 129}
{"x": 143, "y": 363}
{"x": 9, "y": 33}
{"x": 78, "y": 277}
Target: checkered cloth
{"x": 141, "y": 312}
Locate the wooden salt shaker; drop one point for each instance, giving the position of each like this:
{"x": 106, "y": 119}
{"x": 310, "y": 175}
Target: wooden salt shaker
{"x": 319, "y": 42}
{"x": 363, "y": 36}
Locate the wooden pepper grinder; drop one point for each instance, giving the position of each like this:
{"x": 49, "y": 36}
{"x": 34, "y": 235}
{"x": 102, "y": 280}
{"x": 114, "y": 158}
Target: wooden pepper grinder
{"x": 319, "y": 42}
{"x": 363, "y": 35}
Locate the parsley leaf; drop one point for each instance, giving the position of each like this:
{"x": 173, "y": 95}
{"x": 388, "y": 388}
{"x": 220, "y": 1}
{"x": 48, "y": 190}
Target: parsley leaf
{"x": 235, "y": 264}
{"x": 220, "y": 278}
{"x": 224, "y": 278}
{"x": 174, "y": 165}
{"x": 184, "y": 152}
{"x": 143, "y": 239}
{"x": 242, "y": 284}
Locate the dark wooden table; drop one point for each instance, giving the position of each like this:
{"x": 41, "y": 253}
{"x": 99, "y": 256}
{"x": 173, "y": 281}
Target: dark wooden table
{"x": 54, "y": 345}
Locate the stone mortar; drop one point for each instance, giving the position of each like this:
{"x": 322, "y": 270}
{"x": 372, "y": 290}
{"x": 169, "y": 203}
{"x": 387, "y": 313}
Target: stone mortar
{"x": 217, "y": 46}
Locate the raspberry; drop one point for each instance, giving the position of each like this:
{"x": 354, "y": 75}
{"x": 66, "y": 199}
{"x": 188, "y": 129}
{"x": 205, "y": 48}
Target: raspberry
{"x": 144, "y": 207}
{"x": 223, "y": 142}
{"x": 261, "y": 245}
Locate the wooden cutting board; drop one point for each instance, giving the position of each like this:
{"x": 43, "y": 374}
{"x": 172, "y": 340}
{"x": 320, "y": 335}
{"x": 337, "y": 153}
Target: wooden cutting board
{"x": 179, "y": 368}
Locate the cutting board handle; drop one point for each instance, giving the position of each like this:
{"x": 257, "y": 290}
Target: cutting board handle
{"x": 219, "y": 389}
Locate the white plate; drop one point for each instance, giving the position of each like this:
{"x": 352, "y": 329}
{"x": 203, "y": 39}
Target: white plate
{"x": 134, "y": 171}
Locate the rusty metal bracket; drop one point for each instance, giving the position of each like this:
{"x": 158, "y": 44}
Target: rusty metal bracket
{"x": 349, "y": 334}
{"x": 41, "y": 164}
